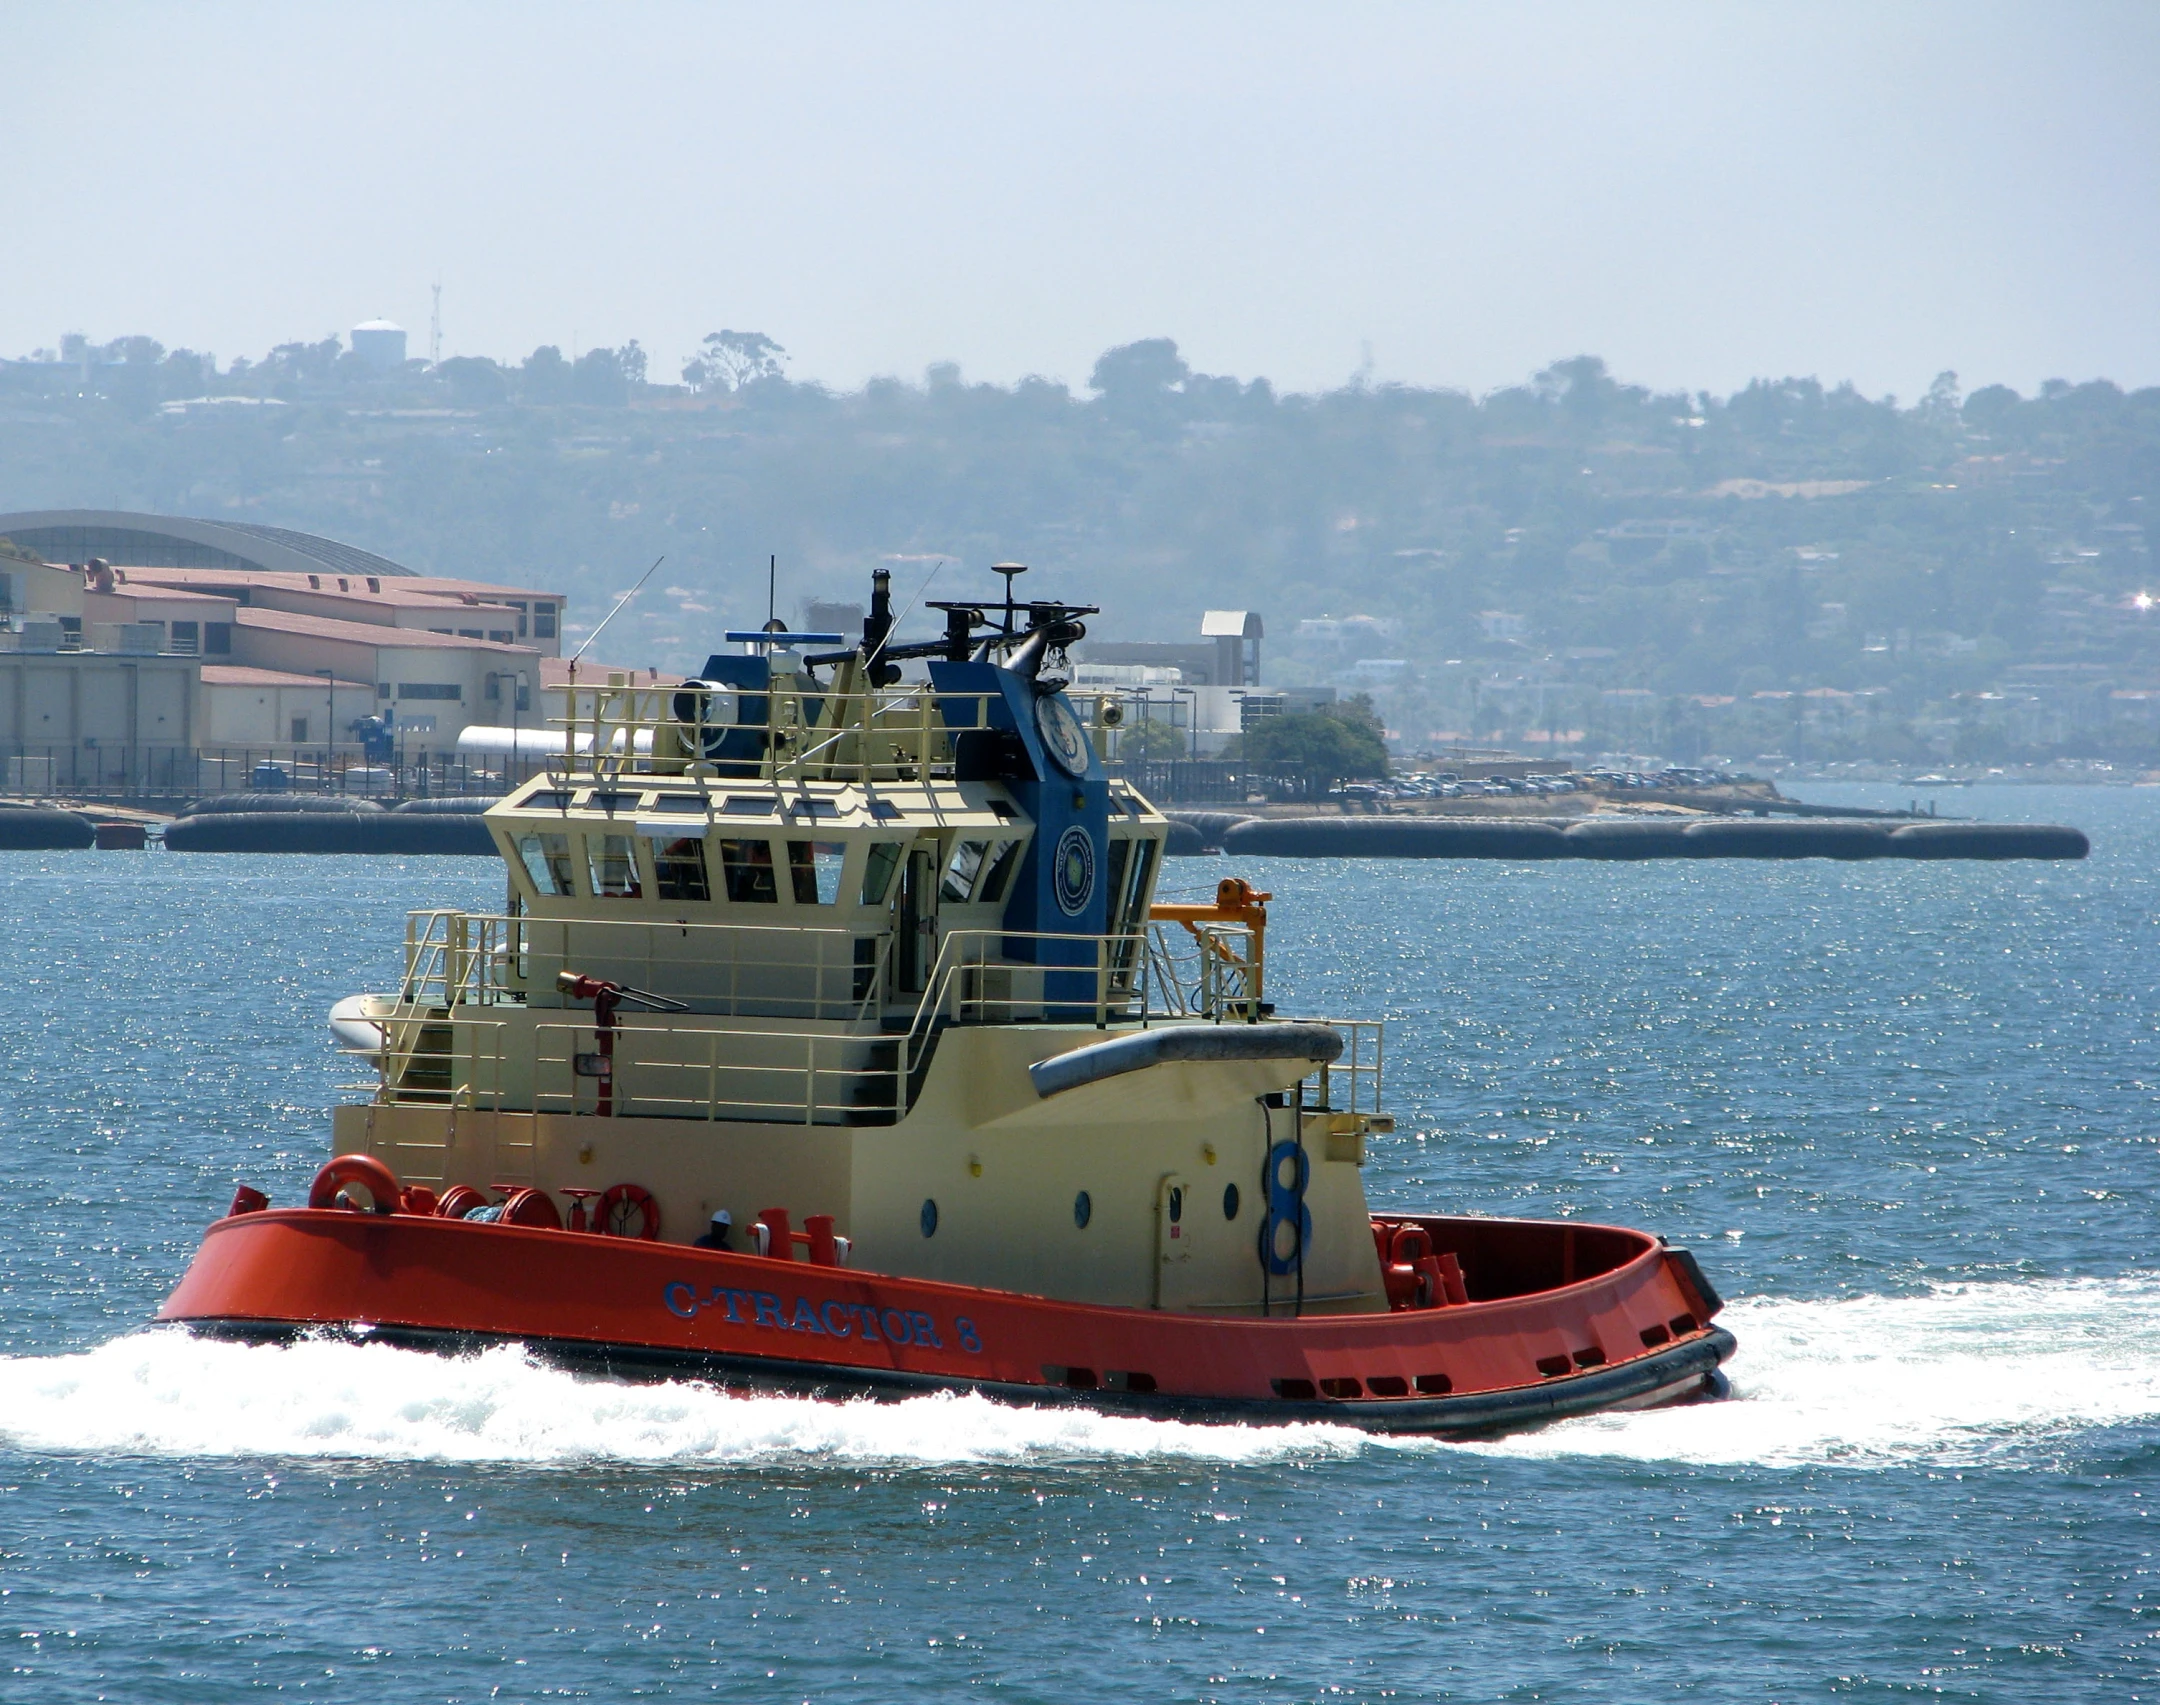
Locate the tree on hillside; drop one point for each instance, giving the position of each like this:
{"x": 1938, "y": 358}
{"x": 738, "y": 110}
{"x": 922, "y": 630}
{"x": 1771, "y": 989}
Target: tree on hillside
{"x": 1150, "y": 742}
{"x": 1139, "y": 371}
{"x": 730, "y": 360}
{"x": 474, "y": 381}
{"x": 1336, "y": 743}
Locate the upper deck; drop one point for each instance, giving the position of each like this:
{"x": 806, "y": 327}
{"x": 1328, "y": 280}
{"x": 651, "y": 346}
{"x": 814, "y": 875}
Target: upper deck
{"x": 761, "y": 841}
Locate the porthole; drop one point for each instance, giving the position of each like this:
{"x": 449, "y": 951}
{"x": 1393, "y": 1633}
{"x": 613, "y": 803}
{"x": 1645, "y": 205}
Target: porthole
{"x": 929, "y": 1217}
{"x": 1083, "y": 1209}
{"x": 1229, "y": 1201}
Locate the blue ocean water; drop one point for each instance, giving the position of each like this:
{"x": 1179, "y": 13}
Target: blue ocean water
{"x": 1906, "y": 1114}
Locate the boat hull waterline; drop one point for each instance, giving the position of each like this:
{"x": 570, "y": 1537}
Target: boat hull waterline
{"x": 1634, "y": 1335}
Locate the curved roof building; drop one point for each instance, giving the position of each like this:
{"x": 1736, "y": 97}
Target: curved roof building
{"x": 171, "y": 541}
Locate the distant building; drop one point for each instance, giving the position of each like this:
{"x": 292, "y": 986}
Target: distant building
{"x": 1237, "y": 636}
{"x": 1228, "y": 654}
{"x": 217, "y": 649}
{"x": 380, "y": 344}
{"x": 175, "y": 541}
{"x": 277, "y": 707}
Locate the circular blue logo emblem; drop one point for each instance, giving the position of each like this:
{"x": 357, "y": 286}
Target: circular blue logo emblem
{"x": 1072, "y": 871}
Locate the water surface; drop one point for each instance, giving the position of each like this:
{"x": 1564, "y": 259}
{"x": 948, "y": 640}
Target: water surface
{"x": 1905, "y": 1113}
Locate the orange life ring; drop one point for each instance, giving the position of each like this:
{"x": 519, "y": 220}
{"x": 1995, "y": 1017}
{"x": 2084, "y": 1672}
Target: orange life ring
{"x": 611, "y": 1215}
{"x": 460, "y": 1200}
{"x": 365, "y": 1170}
{"x": 530, "y": 1207}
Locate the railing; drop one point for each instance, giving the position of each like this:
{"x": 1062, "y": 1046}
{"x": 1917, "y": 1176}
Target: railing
{"x": 1356, "y": 1075}
{"x": 977, "y": 981}
{"x": 77, "y": 771}
{"x": 460, "y": 966}
{"x": 1205, "y": 971}
{"x": 456, "y": 958}
{"x": 742, "y": 1075}
{"x": 803, "y": 733}
{"x": 445, "y": 1046}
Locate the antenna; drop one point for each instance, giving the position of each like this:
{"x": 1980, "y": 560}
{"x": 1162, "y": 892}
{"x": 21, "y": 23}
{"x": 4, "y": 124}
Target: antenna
{"x": 434, "y": 331}
{"x": 772, "y": 591}
{"x": 1009, "y": 570}
{"x": 612, "y": 614}
{"x": 911, "y": 603}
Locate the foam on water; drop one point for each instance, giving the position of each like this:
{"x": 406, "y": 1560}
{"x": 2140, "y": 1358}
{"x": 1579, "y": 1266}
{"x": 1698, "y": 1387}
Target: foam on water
{"x": 1964, "y": 1374}
{"x": 165, "y": 1393}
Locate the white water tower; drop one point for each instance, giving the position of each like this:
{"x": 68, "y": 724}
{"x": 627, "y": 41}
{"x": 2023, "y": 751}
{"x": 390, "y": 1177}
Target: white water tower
{"x": 380, "y": 344}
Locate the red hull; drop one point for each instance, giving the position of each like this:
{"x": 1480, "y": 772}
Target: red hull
{"x": 1637, "y": 1330}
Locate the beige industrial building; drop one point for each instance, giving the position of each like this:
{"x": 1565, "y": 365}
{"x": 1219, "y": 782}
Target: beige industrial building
{"x": 206, "y": 649}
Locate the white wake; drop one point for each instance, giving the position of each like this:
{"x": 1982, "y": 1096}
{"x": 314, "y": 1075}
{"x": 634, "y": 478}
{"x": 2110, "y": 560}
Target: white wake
{"x": 165, "y": 1393}
{"x": 1963, "y": 1374}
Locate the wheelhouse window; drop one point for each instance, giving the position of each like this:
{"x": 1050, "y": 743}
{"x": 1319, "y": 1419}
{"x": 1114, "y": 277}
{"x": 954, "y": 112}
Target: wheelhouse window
{"x": 815, "y": 868}
{"x": 1144, "y": 854}
{"x": 878, "y": 870}
{"x": 547, "y": 862}
{"x": 613, "y": 866}
{"x": 1004, "y": 862}
{"x": 746, "y": 869}
{"x": 679, "y": 867}
{"x": 965, "y": 866}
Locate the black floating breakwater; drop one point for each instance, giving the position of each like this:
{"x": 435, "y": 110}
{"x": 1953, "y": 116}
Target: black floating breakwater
{"x": 1641, "y": 838}
{"x": 373, "y": 831}
{"x": 43, "y": 828}
{"x": 253, "y": 804}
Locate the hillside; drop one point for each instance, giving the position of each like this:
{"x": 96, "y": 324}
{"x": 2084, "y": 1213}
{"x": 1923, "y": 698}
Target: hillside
{"x": 1574, "y": 557}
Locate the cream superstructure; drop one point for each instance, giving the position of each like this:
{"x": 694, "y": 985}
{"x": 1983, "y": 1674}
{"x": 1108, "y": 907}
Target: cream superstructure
{"x": 842, "y": 918}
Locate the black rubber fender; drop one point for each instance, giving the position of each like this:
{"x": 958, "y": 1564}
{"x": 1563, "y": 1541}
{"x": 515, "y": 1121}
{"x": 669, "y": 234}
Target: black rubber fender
{"x": 1212, "y": 825}
{"x": 1185, "y": 841}
{"x": 1988, "y": 840}
{"x": 447, "y": 805}
{"x": 44, "y": 828}
{"x": 1808, "y": 837}
{"x": 231, "y": 804}
{"x": 1398, "y": 837}
{"x": 1629, "y": 837}
{"x": 330, "y": 832}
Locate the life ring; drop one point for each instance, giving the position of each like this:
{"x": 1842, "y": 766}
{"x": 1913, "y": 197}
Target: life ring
{"x": 460, "y": 1200}
{"x": 365, "y": 1170}
{"x": 530, "y": 1207}
{"x": 611, "y": 1214}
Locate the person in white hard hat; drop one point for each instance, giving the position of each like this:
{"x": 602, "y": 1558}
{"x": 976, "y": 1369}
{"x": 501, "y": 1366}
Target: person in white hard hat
{"x": 716, "y": 1234}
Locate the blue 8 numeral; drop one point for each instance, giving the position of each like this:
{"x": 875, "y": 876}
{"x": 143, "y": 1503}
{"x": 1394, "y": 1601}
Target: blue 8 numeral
{"x": 968, "y": 1341}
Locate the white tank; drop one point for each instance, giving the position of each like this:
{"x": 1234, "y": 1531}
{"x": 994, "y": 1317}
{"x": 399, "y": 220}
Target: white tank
{"x": 379, "y": 343}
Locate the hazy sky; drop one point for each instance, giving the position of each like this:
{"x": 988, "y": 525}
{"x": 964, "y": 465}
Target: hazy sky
{"x": 1699, "y": 193}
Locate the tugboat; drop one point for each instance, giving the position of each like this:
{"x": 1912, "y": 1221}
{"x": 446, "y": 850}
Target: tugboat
{"x": 830, "y": 1041}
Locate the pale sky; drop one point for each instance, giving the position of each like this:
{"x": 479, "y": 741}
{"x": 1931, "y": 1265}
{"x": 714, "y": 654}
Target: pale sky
{"x": 1699, "y": 193}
